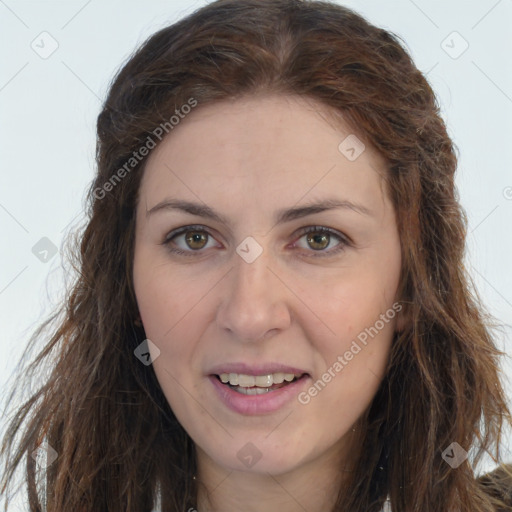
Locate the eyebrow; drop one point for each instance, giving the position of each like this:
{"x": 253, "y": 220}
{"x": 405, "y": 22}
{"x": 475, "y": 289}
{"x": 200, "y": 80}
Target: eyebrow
{"x": 282, "y": 216}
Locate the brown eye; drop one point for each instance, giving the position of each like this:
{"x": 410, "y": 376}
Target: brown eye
{"x": 322, "y": 241}
{"x": 196, "y": 239}
{"x": 189, "y": 241}
{"x": 318, "y": 241}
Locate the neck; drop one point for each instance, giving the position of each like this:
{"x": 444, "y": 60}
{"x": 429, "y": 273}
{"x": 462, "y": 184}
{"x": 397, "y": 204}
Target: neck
{"x": 313, "y": 487}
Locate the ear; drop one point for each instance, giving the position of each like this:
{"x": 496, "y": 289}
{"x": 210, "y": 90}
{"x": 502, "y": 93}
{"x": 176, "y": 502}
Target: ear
{"x": 138, "y": 321}
{"x": 403, "y": 318}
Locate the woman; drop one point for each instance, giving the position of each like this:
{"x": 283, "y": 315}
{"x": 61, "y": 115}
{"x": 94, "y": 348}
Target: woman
{"x": 272, "y": 311}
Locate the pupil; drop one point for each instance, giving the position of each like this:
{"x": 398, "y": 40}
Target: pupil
{"x": 322, "y": 240}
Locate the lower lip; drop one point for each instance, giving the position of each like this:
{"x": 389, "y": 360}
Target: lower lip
{"x": 258, "y": 404}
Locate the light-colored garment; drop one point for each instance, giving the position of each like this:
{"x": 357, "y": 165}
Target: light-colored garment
{"x": 386, "y": 507}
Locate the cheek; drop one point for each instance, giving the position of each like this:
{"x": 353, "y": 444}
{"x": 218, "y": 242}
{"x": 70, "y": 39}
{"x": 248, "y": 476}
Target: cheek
{"x": 175, "y": 308}
{"x": 351, "y": 302}
{"x": 166, "y": 306}
{"x": 358, "y": 310}
{"x": 351, "y": 371}
{"x": 165, "y": 296}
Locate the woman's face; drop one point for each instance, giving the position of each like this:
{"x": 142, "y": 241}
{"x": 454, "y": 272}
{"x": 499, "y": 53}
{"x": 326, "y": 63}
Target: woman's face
{"x": 266, "y": 249}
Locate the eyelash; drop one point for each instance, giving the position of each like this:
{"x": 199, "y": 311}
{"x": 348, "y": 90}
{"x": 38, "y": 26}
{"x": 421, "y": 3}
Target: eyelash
{"x": 344, "y": 240}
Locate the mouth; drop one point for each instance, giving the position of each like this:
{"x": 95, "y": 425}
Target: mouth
{"x": 258, "y": 384}
{"x": 257, "y": 389}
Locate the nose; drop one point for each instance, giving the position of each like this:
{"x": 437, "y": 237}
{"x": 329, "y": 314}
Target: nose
{"x": 254, "y": 304}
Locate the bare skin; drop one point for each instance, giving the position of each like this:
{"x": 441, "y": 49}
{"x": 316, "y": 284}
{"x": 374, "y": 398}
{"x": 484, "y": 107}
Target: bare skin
{"x": 302, "y": 302}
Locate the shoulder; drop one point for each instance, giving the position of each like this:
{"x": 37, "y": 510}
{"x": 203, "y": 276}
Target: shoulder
{"x": 498, "y": 484}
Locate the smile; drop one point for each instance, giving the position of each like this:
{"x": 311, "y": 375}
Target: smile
{"x": 258, "y": 394}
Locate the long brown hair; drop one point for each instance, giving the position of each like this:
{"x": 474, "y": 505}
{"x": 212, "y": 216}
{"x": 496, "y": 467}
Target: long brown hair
{"x": 103, "y": 412}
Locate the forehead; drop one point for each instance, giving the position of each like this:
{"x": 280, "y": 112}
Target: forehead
{"x": 262, "y": 148}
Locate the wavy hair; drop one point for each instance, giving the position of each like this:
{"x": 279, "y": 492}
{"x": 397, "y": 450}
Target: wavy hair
{"x": 118, "y": 442}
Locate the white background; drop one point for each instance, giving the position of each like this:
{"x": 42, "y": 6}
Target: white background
{"x": 48, "y": 109}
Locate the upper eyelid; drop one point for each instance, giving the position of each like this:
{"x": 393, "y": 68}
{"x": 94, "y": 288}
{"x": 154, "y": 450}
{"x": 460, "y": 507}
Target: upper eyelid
{"x": 200, "y": 227}
{"x": 184, "y": 229}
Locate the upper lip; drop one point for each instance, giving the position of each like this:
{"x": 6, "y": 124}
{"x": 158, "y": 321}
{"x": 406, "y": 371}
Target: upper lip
{"x": 256, "y": 369}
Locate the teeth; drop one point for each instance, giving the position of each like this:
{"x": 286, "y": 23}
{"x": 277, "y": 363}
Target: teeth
{"x": 245, "y": 381}
{"x": 252, "y": 391}
{"x": 256, "y": 381}
{"x": 263, "y": 381}
{"x": 278, "y": 378}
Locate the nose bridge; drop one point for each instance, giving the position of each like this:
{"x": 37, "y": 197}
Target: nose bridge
{"x": 252, "y": 281}
{"x": 254, "y": 303}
